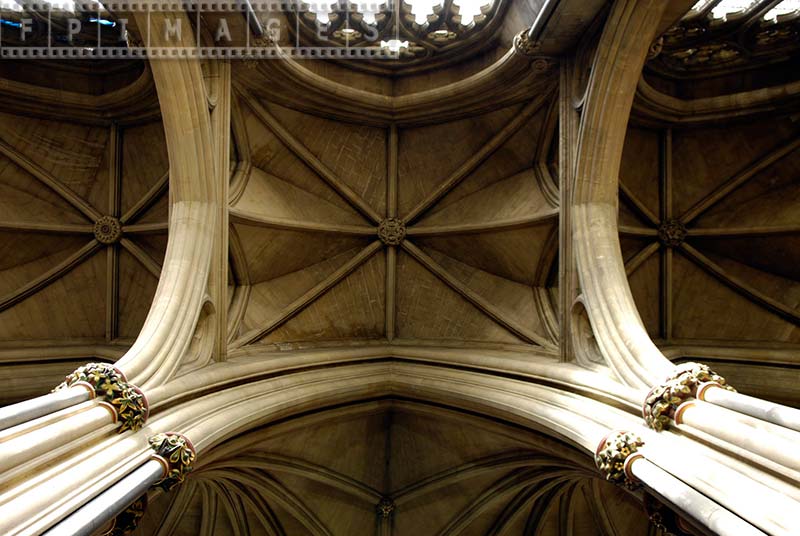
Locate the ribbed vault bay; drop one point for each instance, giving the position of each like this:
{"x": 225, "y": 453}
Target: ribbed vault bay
{"x": 436, "y": 471}
{"x": 710, "y": 234}
{"x": 349, "y": 232}
{"x": 83, "y": 231}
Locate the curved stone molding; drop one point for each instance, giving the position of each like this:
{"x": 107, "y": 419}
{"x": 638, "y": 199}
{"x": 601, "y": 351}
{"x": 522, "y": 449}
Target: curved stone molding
{"x": 626, "y": 38}
{"x": 502, "y": 82}
{"x": 137, "y": 99}
{"x": 587, "y": 351}
{"x": 107, "y": 383}
{"x": 168, "y": 330}
{"x": 177, "y": 454}
{"x": 613, "y": 455}
{"x": 663, "y": 400}
{"x": 655, "y": 105}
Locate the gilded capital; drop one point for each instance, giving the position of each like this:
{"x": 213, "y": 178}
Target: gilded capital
{"x": 177, "y": 454}
{"x": 612, "y": 455}
{"x": 663, "y": 518}
{"x": 128, "y": 520}
{"x": 524, "y": 45}
{"x": 385, "y": 507}
{"x": 682, "y": 385}
{"x": 108, "y": 384}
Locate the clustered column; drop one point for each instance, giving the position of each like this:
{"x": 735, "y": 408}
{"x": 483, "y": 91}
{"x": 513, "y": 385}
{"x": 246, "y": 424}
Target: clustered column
{"x": 621, "y": 459}
{"x": 702, "y": 492}
{"x": 122, "y": 505}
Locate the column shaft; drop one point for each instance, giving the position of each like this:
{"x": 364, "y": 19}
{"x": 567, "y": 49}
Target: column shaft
{"x": 106, "y": 506}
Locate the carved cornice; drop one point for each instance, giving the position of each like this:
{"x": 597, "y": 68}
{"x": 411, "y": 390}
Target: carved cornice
{"x": 107, "y": 383}
{"x": 177, "y": 454}
{"x": 510, "y": 79}
{"x": 682, "y": 385}
{"x": 705, "y": 42}
{"x": 651, "y": 104}
{"x": 136, "y": 101}
{"x": 442, "y": 40}
{"x": 614, "y": 454}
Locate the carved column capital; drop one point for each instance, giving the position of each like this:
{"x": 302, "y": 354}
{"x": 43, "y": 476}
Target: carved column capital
{"x": 385, "y": 507}
{"x": 177, "y": 454}
{"x": 127, "y": 521}
{"x": 655, "y": 48}
{"x": 524, "y": 45}
{"x": 682, "y": 385}
{"x": 662, "y": 518}
{"x": 614, "y": 454}
{"x": 108, "y": 384}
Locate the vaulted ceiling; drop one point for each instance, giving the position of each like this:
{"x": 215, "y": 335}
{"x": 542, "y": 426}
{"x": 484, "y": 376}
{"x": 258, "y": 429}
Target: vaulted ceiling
{"x": 397, "y": 468}
{"x": 416, "y": 209}
{"x": 82, "y": 233}
{"x": 478, "y": 242}
{"x": 708, "y": 199}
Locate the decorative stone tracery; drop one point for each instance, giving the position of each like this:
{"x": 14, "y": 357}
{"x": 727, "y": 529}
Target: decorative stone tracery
{"x": 663, "y": 400}
{"x": 747, "y": 36}
{"x": 107, "y": 383}
{"x": 177, "y": 454}
{"x": 613, "y": 455}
